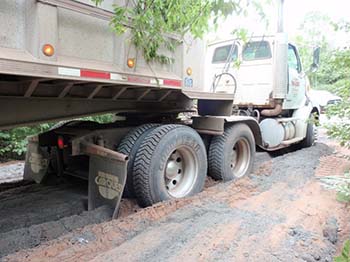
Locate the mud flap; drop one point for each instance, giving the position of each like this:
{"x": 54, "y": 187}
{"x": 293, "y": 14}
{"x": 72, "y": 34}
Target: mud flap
{"x": 107, "y": 176}
{"x": 37, "y": 161}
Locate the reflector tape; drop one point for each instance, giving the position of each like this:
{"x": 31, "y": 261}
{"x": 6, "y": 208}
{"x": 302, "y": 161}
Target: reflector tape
{"x": 155, "y": 81}
{"x": 65, "y": 71}
{"x": 95, "y": 74}
{"x": 118, "y": 77}
{"x": 68, "y": 71}
{"x": 170, "y": 82}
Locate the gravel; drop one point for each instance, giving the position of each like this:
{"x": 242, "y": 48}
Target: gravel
{"x": 272, "y": 215}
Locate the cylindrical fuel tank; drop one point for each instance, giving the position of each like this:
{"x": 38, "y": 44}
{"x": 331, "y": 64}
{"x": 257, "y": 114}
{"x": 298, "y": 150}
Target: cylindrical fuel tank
{"x": 289, "y": 129}
{"x": 275, "y": 132}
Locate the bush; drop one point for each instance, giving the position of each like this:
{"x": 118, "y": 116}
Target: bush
{"x": 340, "y": 112}
{"x": 340, "y": 184}
{"x": 13, "y": 142}
{"x": 345, "y": 253}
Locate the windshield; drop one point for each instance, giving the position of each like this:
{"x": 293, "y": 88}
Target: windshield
{"x": 256, "y": 51}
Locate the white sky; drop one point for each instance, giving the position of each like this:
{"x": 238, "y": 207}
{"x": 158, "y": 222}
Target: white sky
{"x": 295, "y": 11}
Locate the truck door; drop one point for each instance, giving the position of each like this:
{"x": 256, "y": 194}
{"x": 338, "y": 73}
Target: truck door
{"x": 296, "y": 81}
{"x": 224, "y": 56}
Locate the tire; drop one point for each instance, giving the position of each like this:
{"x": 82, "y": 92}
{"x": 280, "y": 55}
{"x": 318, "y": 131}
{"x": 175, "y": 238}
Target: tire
{"x": 232, "y": 154}
{"x": 170, "y": 163}
{"x": 129, "y": 146}
{"x": 309, "y": 139}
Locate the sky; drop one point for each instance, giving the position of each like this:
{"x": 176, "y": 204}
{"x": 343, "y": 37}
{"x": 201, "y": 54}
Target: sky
{"x": 294, "y": 11}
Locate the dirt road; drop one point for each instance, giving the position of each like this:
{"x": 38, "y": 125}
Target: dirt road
{"x": 279, "y": 213}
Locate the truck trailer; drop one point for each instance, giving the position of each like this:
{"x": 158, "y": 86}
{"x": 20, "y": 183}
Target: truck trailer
{"x": 174, "y": 123}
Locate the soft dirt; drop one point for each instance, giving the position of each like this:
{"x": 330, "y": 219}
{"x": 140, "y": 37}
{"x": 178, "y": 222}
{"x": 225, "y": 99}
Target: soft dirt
{"x": 31, "y": 214}
{"x": 279, "y": 213}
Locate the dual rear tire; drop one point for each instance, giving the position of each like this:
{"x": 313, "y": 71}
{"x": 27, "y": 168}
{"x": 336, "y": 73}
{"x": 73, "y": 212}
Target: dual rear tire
{"x": 231, "y": 155}
{"x": 170, "y": 161}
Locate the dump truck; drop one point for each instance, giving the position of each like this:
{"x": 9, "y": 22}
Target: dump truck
{"x": 174, "y": 123}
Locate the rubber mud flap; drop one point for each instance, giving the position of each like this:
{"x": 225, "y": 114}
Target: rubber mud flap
{"x": 107, "y": 179}
{"x": 37, "y": 161}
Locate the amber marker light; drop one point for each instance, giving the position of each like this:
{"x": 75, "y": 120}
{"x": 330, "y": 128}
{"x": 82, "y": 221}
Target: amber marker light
{"x": 48, "y": 50}
{"x": 189, "y": 71}
{"x": 131, "y": 62}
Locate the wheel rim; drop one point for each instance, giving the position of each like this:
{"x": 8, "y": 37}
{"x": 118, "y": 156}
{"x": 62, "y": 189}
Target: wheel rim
{"x": 181, "y": 171}
{"x": 240, "y": 157}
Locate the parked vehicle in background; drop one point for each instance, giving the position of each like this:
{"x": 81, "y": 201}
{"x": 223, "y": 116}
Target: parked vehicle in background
{"x": 324, "y": 98}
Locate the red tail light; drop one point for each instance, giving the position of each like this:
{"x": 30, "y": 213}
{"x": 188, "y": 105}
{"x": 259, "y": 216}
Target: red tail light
{"x": 60, "y": 142}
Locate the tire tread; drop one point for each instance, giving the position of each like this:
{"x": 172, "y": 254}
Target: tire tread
{"x": 126, "y": 147}
{"x": 142, "y": 162}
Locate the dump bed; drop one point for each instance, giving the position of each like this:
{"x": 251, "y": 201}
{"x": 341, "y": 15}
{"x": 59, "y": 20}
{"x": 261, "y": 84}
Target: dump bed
{"x": 88, "y": 70}
{"x": 83, "y": 43}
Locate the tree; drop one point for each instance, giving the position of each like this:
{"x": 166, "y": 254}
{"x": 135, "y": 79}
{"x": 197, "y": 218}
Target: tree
{"x": 334, "y": 71}
{"x": 335, "y": 77}
{"x": 150, "y": 20}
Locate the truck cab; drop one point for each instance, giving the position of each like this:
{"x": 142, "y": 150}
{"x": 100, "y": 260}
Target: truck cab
{"x": 266, "y": 79}
{"x": 252, "y": 66}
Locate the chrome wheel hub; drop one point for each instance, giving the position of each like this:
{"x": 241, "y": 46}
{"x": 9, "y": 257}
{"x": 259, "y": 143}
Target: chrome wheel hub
{"x": 181, "y": 171}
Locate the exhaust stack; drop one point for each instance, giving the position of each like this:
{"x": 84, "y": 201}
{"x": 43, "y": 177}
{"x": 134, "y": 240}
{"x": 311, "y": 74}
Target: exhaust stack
{"x": 280, "y": 78}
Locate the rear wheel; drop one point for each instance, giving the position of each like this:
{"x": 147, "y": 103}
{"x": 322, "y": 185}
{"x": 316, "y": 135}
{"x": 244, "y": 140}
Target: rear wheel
{"x": 170, "y": 163}
{"x": 129, "y": 146}
{"x": 231, "y": 155}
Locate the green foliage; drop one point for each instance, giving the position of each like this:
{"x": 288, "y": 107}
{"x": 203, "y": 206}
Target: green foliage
{"x": 341, "y": 184}
{"x": 335, "y": 67}
{"x": 312, "y": 34}
{"x": 106, "y": 118}
{"x": 340, "y": 129}
{"x": 345, "y": 254}
{"x": 97, "y": 2}
{"x": 14, "y": 141}
{"x": 333, "y": 74}
{"x": 149, "y": 21}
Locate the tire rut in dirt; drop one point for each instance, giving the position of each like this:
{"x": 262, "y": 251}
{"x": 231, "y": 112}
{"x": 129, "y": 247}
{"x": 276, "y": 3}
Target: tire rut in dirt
{"x": 33, "y": 214}
{"x": 34, "y": 204}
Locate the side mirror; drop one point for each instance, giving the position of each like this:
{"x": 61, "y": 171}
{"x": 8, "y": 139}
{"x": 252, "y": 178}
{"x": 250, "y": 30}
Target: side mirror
{"x": 316, "y": 60}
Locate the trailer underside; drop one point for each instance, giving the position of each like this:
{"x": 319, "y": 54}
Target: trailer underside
{"x": 29, "y": 100}
{"x": 25, "y": 100}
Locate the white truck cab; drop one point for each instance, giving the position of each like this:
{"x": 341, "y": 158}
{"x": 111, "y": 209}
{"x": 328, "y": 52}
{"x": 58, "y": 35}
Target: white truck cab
{"x": 252, "y": 66}
{"x": 266, "y": 79}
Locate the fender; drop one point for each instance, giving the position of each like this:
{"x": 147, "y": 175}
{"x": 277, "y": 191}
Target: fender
{"x": 303, "y": 116}
{"x": 249, "y": 121}
{"x": 214, "y": 125}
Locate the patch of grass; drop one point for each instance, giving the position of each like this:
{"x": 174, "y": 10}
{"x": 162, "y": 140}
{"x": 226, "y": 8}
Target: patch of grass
{"x": 345, "y": 255}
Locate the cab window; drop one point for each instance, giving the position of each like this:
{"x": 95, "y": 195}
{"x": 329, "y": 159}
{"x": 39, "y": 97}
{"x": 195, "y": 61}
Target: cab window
{"x": 293, "y": 59}
{"x": 221, "y": 54}
{"x": 256, "y": 51}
